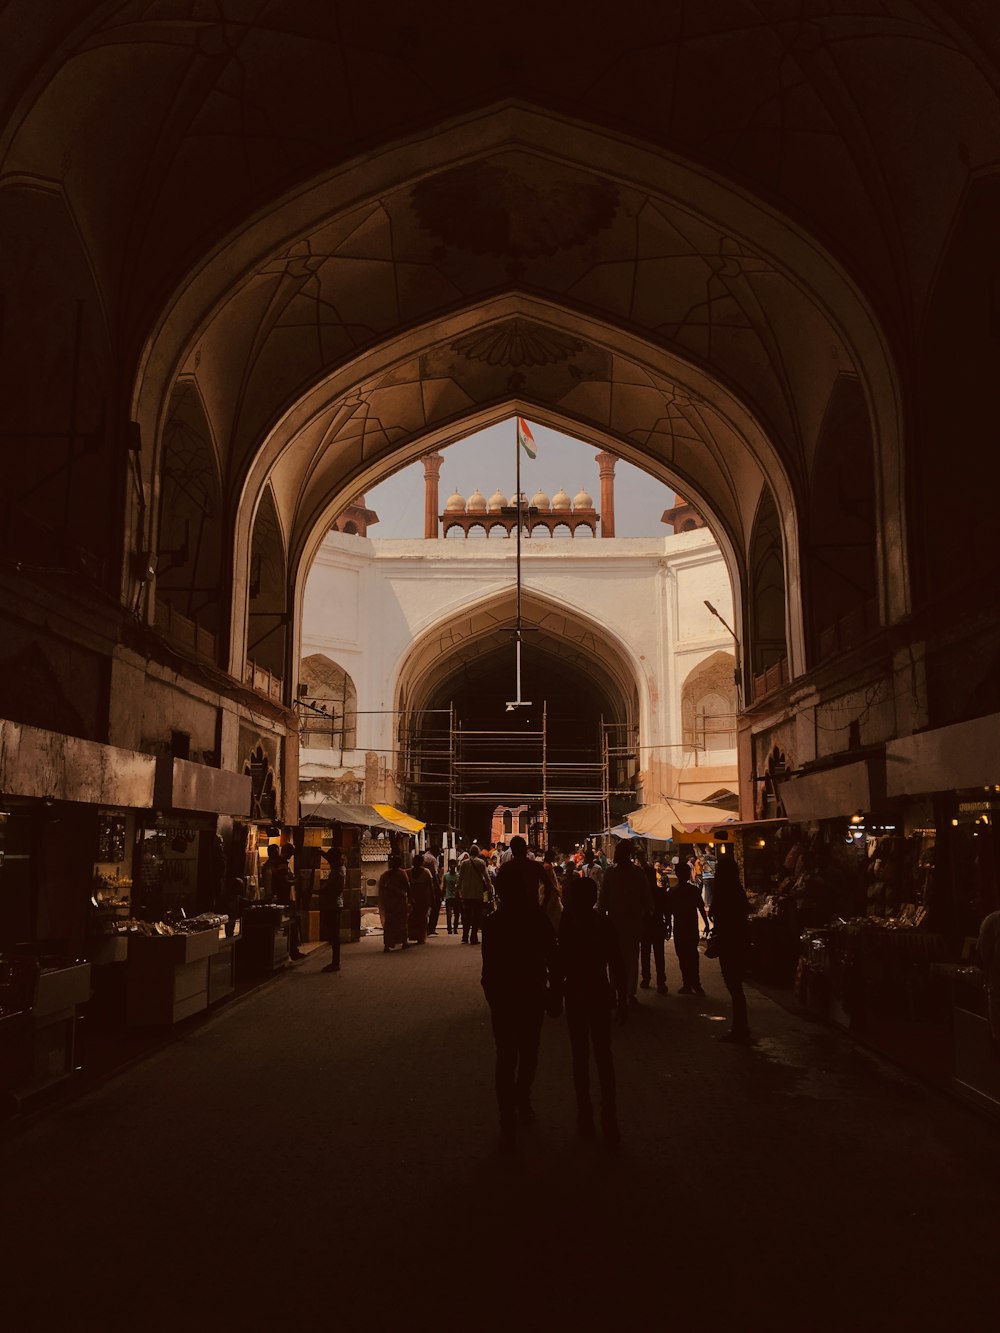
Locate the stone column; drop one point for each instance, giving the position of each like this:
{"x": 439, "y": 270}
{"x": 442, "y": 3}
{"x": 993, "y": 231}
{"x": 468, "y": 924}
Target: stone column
{"x": 606, "y": 462}
{"x": 432, "y": 469}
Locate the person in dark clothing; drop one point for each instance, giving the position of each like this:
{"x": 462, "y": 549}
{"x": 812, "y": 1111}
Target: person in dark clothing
{"x": 684, "y": 905}
{"x": 436, "y": 867}
{"x": 473, "y": 889}
{"x": 331, "y": 900}
{"x": 520, "y": 980}
{"x": 279, "y": 887}
{"x": 655, "y": 930}
{"x": 731, "y": 932}
{"x": 588, "y": 954}
{"x": 452, "y": 902}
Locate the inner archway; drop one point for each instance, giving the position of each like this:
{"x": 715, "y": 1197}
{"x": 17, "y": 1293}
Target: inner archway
{"x": 571, "y": 756}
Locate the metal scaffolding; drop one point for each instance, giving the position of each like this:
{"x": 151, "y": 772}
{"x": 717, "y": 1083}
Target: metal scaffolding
{"x": 499, "y": 766}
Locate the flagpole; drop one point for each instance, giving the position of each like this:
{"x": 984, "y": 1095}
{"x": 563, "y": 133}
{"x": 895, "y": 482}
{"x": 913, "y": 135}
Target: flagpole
{"x": 517, "y": 452}
{"x": 517, "y": 636}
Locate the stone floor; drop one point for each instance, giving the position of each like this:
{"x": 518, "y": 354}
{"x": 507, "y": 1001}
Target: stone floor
{"x": 322, "y": 1154}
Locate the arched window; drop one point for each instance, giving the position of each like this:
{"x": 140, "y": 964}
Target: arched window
{"x": 767, "y": 590}
{"x": 840, "y": 548}
{"x": 327, "y": 687}
{"x": 508, "y": 821}
{"x": 267, "y": 620}
{"x": 189, "y": 547}
{"x": 709, "y": 705}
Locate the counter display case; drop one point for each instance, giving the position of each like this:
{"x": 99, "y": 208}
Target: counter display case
{"x": 168, "y": 976}
{"x": 263, "y": 944}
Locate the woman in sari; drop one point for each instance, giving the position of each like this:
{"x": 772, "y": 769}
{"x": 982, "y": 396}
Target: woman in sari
{"x": 421, "y": 893}
{"x": 393, "y": 904}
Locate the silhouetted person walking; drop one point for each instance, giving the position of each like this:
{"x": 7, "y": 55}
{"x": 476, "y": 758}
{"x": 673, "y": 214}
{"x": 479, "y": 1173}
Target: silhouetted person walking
{"x": 421, "y": 890}
{"x": 654, "y": 931}
{"x": 588, "y": 955}
{"x": 473, "y": 889}
{"x": 684, "y": 905}
{"x": 624, "y": 896}
{"x": 732, "y": 936}
{"x": 520, "y": 980}
{"x": 331, "y": 900}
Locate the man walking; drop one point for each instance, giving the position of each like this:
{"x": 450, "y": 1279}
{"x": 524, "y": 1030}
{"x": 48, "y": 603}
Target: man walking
{"x": 588, "y": 955}
{"x": 625, "y": 898}
{"x": 435, "y": 867}
{"x": 684, "y": 905}
{"x": 520, "y": 980}
{"x": 655, "y": 930}
{"x": 473, "y": 889}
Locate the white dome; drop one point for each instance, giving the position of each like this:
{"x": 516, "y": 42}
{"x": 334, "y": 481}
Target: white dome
{"x": 498, "y": 501}
{"x": 524, "y": 500}
{"x": 455, "y": 505}
{"x": 582, "y": 501}
{"x": 540, "y": 500}
{"x": 561, "y": 500}
{"x": 477, "y": 502}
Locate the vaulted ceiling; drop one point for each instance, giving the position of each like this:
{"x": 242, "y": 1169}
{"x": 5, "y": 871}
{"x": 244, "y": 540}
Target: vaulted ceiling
{"x": 357, "y": 232}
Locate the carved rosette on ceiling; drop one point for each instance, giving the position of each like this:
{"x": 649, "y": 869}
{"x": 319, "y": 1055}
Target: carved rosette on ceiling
{"x": 517, "y": 356}
{"x": 517, "y": 343}
{"x": 514, "y": 208}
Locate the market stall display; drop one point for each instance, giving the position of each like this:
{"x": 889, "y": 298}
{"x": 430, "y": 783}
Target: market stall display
{"x": 169, "y": 968}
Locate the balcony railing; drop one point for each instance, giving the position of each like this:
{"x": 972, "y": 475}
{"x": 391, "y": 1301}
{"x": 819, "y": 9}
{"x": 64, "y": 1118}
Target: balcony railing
{"x": 770, "y": 679}
{"x": 263, "y": 681}
{"x": 182, "y": 631}
{"x": 849, "y": 630}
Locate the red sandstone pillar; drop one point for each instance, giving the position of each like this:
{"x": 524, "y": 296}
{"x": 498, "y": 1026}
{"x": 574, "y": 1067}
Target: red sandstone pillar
{"x": 606, "y": 462}
{"x": 432, "y": 469}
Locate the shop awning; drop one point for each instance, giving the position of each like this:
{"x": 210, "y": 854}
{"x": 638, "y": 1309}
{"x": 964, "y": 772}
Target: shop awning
{"x": 361, "y": 816}
{"x": 759, "y": 826}
{"x": 623, "y": 831}
{"x": 39, "y": 763}
{"x": 400, "y": 817}
{"x": 669, "y": 820}
{"x": 829, "y": 793}
{"x": 951, "y": 758}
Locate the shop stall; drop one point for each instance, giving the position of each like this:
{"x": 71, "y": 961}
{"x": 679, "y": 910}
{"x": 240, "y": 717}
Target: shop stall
{"x": 169, "y": 969}
{"x": 365, "y": 836}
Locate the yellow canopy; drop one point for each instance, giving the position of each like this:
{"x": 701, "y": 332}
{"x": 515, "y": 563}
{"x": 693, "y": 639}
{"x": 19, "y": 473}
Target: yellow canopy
{"x": 399, "y": 817}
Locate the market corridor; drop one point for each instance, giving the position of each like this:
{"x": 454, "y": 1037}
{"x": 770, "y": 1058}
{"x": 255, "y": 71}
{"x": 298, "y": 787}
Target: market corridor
{"x": 322, "y": 1154}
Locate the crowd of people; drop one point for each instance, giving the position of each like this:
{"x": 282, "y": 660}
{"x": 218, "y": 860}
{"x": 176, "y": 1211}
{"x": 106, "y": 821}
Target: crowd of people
{"x": 575, "y": 932}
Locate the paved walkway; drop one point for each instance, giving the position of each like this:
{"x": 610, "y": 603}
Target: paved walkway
{"x": 322, "y": 1155}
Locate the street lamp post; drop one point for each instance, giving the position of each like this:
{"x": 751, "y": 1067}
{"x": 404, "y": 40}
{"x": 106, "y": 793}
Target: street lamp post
{"x": 738, "y": 673}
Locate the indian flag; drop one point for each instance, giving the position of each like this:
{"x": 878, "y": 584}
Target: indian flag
{"x": 525, "y": 438}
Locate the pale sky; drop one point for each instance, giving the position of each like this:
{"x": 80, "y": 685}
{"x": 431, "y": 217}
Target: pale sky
{"x": 487, "y": 460}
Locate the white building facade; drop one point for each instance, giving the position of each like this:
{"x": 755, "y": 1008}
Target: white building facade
{"x": 387, "y": 621}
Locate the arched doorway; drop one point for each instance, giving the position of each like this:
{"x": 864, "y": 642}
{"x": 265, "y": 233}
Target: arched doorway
{"x": 572, "y": 756}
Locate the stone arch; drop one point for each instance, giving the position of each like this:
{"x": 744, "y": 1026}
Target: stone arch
{"x": 840, "y": 565}
{"x": 768, "y": 646}
{"x": 472, "y": 626}
{"x": 59, "y": 504}
{"x": 190, "y": 532}
{"x": 325, "y": 685}
{"x": 709, "y": 704}
{"x": 267, "y": 595}
{"x": 754, "y": 253}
